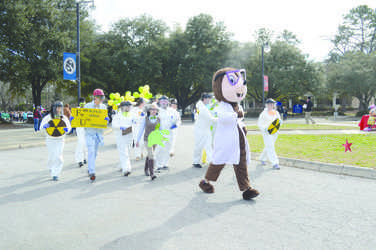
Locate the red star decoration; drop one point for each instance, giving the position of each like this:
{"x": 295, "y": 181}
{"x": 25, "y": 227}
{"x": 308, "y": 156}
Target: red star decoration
{"x": 347, "y": 146}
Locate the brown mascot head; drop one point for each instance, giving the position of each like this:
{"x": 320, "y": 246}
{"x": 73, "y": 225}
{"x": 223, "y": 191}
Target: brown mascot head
{"x": 229, "y": 85}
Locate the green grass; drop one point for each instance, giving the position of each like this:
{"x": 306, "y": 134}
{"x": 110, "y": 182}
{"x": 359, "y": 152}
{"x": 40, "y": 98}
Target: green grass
{"x": 323, "y": 148}
{"x": 292, "y": 126}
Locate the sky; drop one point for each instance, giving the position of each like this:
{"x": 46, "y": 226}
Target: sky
{"x": 314, "y": 22}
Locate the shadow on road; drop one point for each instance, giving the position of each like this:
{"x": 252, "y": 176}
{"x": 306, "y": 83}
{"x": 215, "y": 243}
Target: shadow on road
{"x": 197, "y": 210}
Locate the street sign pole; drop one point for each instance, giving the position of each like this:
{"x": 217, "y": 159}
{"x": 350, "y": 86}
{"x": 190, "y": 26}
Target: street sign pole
{"x": 78, "y": 53}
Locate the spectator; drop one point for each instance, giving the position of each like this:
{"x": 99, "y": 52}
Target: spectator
{"x": 67, "y": 111}
{"x": 24, "y": 116}
{"x": 308, "y": 111}
{"x": 37, "y": 117}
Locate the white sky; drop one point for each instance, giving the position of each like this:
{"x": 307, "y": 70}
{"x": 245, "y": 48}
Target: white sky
{"x": 314, "y": 22}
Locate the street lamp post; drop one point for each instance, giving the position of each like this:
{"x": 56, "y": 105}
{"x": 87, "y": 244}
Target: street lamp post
{"x": 265, "y": 46}
{"x": 78, "y": 68}
{"x": 263, "y": 79}
{"x": 78, "y": 53}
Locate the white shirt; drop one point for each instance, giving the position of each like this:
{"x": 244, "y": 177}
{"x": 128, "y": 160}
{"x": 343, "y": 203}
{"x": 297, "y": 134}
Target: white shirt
{"x": 226, "y": 148}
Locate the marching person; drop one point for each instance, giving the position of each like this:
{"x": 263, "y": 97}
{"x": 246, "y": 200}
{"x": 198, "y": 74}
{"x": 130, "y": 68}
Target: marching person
{"x": 202, "y": 130}
{"x": 122, "y": 124}
{"x": 176, "y": 114}
{"x": 148, "y": 125}
{"x": 94, "y": 136}
{"x": 139, "y": 116}
{"x": 55, "y": 141}
{"x": 269, "y": 115}
{"x": 168, "y": 122}
{"x": 81, "y": 150}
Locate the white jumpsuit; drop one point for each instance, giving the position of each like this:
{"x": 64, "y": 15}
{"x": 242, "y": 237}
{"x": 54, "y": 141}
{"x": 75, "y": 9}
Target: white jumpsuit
{"x": 162, "y": 154}
{"x": 203, "y": 133}
{"x": 264, "y": 121}
{"x": 81, "y": 150}
{"x": 123, "y": 142}
{"x": 177, "y": 117}
{"x": 55, "y": 146}
{"x": 139, "y": 116}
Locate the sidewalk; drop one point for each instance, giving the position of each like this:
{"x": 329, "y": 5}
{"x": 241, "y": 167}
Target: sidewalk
{"x": 25, "y": 138}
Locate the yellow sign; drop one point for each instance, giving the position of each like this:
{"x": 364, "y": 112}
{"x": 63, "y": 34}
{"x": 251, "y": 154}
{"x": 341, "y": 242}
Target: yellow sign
{"x": 89, "y": 118}
{"x": 56, "y": 128}
{"x": 274, "y": 127}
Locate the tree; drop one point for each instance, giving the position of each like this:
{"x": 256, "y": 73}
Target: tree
{"x": 34, "y": 35}
{"x": 126, "y": 57}
{"x": 354, "y": 75}
{"x": 289, "y": 71}
{"x": 192, "y": 58}
{"x": 357, "y": 32}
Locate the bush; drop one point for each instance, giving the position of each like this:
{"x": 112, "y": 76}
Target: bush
{"x": 361, "y": 113}
{"x": 2, "y": 121}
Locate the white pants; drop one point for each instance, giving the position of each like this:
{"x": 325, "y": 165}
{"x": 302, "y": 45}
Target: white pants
{"x": 269, "y": 148}
{"x": 140, "y": 149}
{"x": 173, "y": 140}
{"x": 92, "y": 142}
{"x": 123, "y": 144}
{"x": 162, "y": 154}
{"x": 203, "y": 140}
{"x": 81, "y": 150}
{"x": 55, "y": 156}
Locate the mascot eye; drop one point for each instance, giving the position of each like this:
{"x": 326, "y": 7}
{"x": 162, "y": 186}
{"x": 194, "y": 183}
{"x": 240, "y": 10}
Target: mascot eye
{"x": 232, "y": 79}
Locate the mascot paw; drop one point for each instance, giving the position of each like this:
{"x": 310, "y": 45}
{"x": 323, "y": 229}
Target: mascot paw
{"x": 250, "y": 193}
{"x": 206, "y": 187}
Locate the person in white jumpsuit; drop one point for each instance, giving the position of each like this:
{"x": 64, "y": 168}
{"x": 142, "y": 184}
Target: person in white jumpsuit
{"x": 55, "y": 145}
{"x": 139, "y": 115}
{"x": 122, "y": 125}
{"x": 202, "y": 131}
{"x": 266, "y": 118}
{"x": 176, "y": 114}
{"x": 94, "y": 136}
{"x": 81, "y": 150}
{"x": 167, "y": 122}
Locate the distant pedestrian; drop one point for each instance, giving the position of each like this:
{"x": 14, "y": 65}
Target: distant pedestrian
{"x": 37, "y": 116}
{"x": 308, "y": 111}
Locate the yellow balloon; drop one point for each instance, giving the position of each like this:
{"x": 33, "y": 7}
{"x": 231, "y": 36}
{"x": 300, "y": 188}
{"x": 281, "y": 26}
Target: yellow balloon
{"x": 110, "y": 102}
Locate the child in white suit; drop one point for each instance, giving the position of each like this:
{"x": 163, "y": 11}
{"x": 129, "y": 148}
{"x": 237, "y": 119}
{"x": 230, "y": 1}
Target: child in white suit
{"x": 122, "y": 125}
{"x": 266, "y": 118}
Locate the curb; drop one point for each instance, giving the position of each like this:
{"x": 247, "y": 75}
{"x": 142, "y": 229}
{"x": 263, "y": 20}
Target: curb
{"x": 42, "y": 143}
{"x": 327, "y": 167}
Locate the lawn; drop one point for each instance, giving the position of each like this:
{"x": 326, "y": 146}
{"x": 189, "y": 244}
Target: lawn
{"x": 323, "y": 148}
{"x": 293, "y": 126}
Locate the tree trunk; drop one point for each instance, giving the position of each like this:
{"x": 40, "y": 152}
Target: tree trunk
{"x": 37, "y": 92}
{"x": 363, "y": 105}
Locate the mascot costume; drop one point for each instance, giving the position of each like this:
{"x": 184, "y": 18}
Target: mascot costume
{"x": 230, "y": 142}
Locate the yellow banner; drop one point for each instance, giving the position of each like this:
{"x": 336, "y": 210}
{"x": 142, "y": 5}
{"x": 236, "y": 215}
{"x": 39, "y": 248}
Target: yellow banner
{"x": 89, "y": 118}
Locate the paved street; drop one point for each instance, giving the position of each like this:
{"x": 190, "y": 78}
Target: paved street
{"x": 297, "y": 209}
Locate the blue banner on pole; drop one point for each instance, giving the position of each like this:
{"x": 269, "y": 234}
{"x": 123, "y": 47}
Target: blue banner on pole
{"x": 69, "y": 66}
